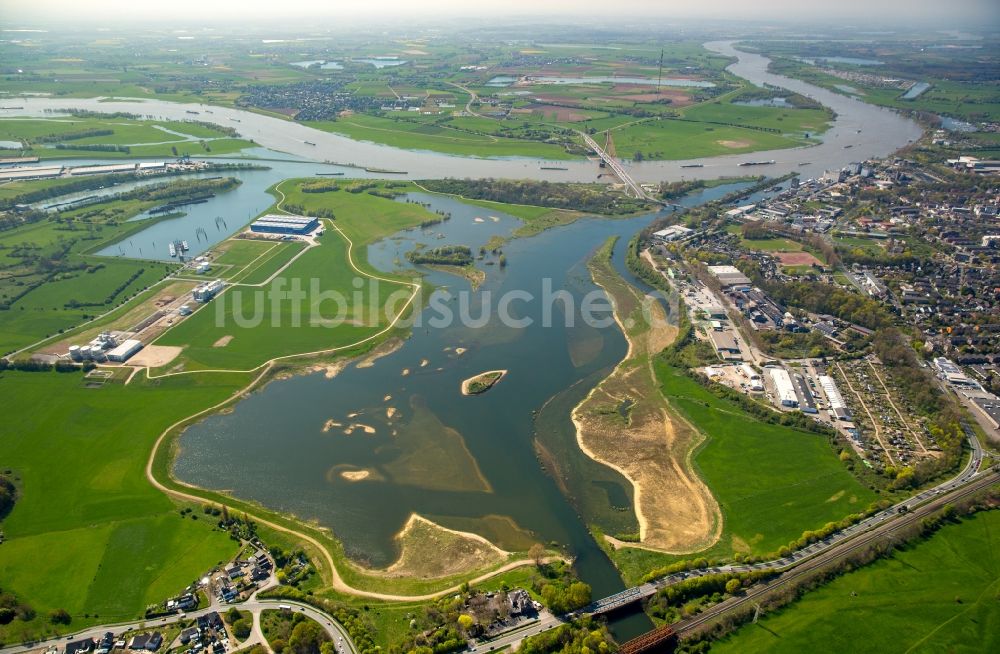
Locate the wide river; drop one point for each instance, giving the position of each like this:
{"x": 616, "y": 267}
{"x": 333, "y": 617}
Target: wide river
{"x": 470, "y": 463}
{"x": 869, "y": 131}
{"x": 504, "y": 464}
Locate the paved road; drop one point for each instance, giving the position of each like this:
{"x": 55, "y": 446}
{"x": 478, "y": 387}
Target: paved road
{"x": 255, "y": 606}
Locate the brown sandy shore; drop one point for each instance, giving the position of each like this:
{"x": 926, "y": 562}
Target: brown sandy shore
{"x": 651, "y": 446}
{"x": 428, "y": 550}
{"x": 468, "y": 382}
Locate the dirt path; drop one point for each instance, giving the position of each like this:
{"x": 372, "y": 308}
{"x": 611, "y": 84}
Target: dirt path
{"x": 878, "y": 431}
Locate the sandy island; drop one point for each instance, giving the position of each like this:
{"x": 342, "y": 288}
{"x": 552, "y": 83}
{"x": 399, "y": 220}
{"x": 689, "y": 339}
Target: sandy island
{"x": 650, "y": 446}
{"x": 482, "y": 382}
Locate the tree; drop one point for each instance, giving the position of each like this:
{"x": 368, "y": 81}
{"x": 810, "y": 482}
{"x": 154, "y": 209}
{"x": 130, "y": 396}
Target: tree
{"x": 465, "y": 622}
{"x": 232, "y": 615}
{"x": 242, "y": 628}
{"x": 537, "y": 554}
{"x": 732, "y": 586}
{"x": 60, "y": 616}
{"x": 307, "y": 637}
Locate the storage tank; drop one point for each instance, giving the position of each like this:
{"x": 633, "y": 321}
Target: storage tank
{"x": 74, "y": 352}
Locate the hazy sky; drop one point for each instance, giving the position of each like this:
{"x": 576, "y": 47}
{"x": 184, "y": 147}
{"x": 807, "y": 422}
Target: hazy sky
{"x": 982, "y": 12}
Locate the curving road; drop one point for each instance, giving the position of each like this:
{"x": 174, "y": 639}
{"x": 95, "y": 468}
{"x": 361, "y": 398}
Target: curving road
{"x": 254, "y": 606}
{"x": 882, "y": 132}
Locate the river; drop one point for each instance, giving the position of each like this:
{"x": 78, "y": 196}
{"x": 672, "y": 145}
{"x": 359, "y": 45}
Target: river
{"x": 272, "y": 447}
{"x": 882, "y": 132}
{"x": 471, "y": 463}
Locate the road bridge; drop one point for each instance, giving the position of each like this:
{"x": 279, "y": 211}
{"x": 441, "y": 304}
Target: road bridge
{"x": 617, "y": 168}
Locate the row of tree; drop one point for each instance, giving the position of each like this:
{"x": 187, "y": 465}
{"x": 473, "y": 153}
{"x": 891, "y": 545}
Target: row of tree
{"x": 588, "y": 198}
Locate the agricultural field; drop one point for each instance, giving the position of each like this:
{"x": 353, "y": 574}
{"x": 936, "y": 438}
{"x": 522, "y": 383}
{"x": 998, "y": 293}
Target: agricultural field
{"x": 420, "y": 135}
{"x": 113, "y": 542}
{"x": 771, "y": 482}
{"x": 937, "y": 595}
{"x": 115, "y": 137}
{"x": 469, "y": 98}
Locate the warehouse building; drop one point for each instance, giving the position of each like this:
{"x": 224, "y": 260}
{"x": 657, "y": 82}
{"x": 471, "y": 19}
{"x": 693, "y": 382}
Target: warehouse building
{"x": 726, "y": 345}
{"x": 729, "y": 276}
{"x": 783, "y": 386}
{"x": 30, "y": 172}
{"x": 103, "y": 169}
{"x": 838, "y": 408}
{"x": 276, "y": 224}
{"x": 124, "y": 352}
{"x": 672, "y": 233}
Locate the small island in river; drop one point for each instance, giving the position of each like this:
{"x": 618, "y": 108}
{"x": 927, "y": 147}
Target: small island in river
{"x": 482, "y": 382}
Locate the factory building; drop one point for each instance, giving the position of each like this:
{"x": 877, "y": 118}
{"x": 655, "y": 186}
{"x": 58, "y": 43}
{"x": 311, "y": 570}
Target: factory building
{"x": 276, "y": 224}
{"x": 102, "y": 170}
{"x": 30, "y": 172}
{"x": 838, "y": 408}
{"x": 208, "y": 290}
{"x": 726, "y": 345}
{"x": 783, "y": 385}
{"x": 124, "y": 352}
{"x": 729, "y": 276}
{"x": 672, "y": 233}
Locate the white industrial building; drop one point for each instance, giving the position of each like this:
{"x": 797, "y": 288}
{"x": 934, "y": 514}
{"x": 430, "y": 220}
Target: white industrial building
{"x": 952, "y": 374}
{"x": 103, "y": 169}
{"x": 672, "y": 233}
{"x": 30, "y": 172}
{"x": 125, "y": 351}
{"x": 753, "y": 377}
{"x": 207, "y": 291}
{"x": 836, "y": 401}
{"x": 729, "y": 276}
{"x": 783, "y": 385}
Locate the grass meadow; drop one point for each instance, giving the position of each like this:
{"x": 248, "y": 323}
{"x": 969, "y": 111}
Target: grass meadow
{"x": 937, "y": 595}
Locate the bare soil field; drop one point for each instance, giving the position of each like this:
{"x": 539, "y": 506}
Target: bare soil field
{"x": 797, "y": 259}
{"x": 155, "y": 356}
{"x": 566, "y": 114}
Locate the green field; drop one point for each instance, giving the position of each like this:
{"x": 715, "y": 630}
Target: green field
{"x": 784, "y": 120}
{"x": 112, "y": 542}
{"x": 216, "y": 337}
{"x": 938, "y": 595}
{"x": 682, "y": 139}
{"x": 772, "y": 482}
{"x": 415, "y": 135}
{"x": 258, "y": 270}
{"x": 143, "y": 138}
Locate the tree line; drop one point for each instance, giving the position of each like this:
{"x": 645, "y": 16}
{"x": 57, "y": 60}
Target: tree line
{"x": 588, "y": 198}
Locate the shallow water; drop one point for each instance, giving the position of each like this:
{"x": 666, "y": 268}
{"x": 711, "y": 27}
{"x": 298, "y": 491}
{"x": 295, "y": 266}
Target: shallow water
{"x": 443, "y": 455}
